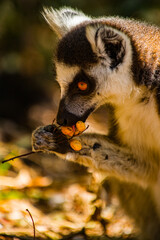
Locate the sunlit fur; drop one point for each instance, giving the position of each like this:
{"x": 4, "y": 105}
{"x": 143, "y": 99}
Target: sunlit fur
{"x": 131, "y": 88}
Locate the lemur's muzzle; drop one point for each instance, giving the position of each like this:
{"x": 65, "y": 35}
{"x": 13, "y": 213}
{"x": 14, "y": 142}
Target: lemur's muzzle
{"x": 64, "y": 117}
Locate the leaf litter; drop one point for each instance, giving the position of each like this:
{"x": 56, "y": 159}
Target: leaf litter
{"x": 60, "y": 199}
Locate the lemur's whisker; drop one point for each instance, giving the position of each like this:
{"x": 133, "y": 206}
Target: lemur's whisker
{"x": 22, "y": 155}
{"x": 53, "y": 121}
{"x": 56, "y": 128}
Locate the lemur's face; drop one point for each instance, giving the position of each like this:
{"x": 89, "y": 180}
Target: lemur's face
{"x": 93, "y": 63}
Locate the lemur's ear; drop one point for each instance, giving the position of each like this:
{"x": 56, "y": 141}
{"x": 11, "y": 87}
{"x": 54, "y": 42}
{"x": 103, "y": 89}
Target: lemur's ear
{"x": 107, "y": 43}
{"x": 62, "y": 20}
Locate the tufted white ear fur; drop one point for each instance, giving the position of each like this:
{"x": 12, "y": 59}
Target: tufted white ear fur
{"x": 107, "y": 43}
{"x": 62, "y": 20}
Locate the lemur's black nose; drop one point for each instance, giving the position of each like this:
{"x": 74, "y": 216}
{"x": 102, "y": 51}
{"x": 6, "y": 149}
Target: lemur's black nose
{"x": 64, "y": 117}
{"x": 61, "y": 121}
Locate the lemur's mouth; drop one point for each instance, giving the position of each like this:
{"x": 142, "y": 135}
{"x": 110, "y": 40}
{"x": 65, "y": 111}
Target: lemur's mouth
{"x": 66, "y": 118}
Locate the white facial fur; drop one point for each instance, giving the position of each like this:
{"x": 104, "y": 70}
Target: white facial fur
{"x": 65, "y": 75}
{"x": 114, "y": 84}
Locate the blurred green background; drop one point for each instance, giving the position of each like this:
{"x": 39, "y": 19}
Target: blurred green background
{"x": 29, "y": 94}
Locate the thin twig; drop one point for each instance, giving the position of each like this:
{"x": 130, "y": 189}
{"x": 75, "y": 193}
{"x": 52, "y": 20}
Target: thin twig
{"x": 23, "y": 155}
{"x": 79, "y": 133}
{"x": 82, "y": 131}
{"x": 34, "y": 229}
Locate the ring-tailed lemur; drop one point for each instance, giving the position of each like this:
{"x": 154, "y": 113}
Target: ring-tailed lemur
{"x": 119, "y": 62}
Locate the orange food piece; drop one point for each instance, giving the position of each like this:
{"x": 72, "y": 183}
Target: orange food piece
{"x": 67, "y": 131}
{"x": 75, "y": 145}
{"x": 80, "y": 126}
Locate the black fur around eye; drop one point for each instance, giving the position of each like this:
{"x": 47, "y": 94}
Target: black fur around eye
{"x": 82, "y": 84}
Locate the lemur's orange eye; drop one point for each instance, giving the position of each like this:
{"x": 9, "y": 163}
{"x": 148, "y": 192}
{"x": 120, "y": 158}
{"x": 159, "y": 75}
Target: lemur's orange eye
{"x": 82, "y": 86}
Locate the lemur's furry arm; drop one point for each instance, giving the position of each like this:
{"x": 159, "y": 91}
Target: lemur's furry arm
{"x": 98, "y": 152}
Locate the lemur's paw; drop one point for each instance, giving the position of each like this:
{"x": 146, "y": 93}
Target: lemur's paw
{"x": 50, "y": 139}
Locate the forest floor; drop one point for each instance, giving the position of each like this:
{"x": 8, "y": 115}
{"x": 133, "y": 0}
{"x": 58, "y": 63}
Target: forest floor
{"x": 43, "y": 197}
